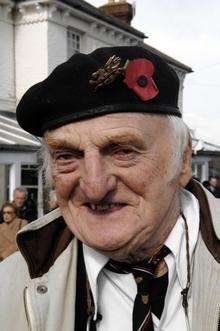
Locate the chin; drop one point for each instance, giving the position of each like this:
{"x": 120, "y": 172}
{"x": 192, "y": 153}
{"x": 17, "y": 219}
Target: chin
{"x": 105, "y": 243}
{"x": 107, "y": 246}
{"x": 121, "y": 254}
{"x": 116, "y": 249}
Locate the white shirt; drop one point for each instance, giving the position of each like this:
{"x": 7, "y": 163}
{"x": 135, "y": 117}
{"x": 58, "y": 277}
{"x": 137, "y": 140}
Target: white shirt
{"x": 114, "y": 294}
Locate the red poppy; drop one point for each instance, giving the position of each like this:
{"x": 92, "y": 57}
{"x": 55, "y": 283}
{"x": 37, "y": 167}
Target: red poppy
{"x": 138, "y": 77}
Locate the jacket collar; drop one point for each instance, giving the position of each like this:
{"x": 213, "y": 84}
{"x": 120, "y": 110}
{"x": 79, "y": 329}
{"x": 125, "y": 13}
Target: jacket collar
{"x": 209, "y": 217}
{"x": 42, "y": 241}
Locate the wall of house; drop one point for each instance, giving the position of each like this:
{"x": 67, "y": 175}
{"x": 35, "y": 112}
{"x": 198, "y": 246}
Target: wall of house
{"x": 40, "y": 45}
{"x": 56, "y": 45}
{"x": 100, "y": 36}
{"x": 31, "y": 55}
{"x": 7, "y": 92}
{"x": 41, "y": 39}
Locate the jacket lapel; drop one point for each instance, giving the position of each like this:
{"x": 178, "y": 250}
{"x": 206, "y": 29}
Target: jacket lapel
{"x": 209, "y": 218}
{"x": 81, "y": 313}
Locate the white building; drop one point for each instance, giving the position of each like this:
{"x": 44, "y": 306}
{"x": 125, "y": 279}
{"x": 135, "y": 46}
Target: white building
{"x": 35, "y": 36}
{"x": 205, "y": 157}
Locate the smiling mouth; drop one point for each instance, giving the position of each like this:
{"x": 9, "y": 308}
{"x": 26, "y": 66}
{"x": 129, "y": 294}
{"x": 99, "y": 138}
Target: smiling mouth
{"x": 104, "y": 207}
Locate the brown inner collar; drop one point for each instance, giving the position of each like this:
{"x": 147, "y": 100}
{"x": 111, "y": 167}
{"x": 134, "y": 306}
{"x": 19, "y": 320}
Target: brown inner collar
{"x": 206, "y": 225}
{"x": 41, "y": 247}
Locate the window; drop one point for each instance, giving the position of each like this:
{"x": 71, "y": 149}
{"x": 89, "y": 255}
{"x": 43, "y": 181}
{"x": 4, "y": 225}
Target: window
{"x": 73, "y": 42}
{"x": 29, "y": 179}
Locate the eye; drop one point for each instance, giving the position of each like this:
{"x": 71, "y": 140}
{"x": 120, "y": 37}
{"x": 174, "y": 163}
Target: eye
{"x": 66, "y": 161}
{"x": 124, "y": 153}
{"x": 62, "y": 156}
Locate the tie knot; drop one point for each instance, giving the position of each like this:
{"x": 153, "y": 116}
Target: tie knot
{"x": 158, "y": 257}
{"x": 143, "y": 273}
{"x": 139, "y": 269}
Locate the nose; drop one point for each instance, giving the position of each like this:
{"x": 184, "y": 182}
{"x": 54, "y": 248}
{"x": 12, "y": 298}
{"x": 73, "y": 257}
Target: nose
{"x": 96, "y": 181}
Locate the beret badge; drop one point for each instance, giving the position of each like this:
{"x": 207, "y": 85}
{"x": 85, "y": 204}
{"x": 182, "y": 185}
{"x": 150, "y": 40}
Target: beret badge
{"x": 138, "y": 76}
{"x": 108, "y": 73}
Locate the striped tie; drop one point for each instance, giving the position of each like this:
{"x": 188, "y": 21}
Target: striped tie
{"x": 143, "y": 273}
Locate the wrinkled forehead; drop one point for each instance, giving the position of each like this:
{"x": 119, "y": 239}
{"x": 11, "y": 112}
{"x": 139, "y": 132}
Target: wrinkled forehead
{"x": 123, "y": 126}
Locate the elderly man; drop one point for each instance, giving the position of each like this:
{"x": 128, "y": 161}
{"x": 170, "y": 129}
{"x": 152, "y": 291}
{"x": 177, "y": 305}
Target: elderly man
{"x": 26, "y": 208}
{"x": 134, "y": 244}
{"x": 214, "y": 186}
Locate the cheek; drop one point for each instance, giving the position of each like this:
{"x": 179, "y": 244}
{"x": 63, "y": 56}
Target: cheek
{"x": 64, "y": 185}
{"x": 145, "y": 178}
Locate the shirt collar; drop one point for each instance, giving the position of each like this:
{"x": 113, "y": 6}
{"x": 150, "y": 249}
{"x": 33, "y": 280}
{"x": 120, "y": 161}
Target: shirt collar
{"x": 176, "y": 241}
{"x": 94, "y": 262}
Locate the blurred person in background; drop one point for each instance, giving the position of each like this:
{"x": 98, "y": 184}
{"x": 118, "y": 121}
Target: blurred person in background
{"x": 8, "y": 229}
{"x": 213, "y": 185}
{"x": 26, "y": 207}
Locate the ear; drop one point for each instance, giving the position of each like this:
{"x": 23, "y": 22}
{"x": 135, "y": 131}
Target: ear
{"x": 185, "y": 173}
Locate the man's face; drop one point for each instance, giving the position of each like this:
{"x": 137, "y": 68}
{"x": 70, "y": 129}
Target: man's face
{"x": 19, "y": 198}
{"x": 213, "y": 182}
{"x": 111, "y": 178}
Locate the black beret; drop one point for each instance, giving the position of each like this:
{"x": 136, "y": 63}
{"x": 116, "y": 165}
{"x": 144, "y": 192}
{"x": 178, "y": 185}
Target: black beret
{"x": 108, "y": 80}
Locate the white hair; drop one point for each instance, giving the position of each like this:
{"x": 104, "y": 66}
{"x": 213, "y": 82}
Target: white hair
{"x": 21, "y": 189}
{"x": 180, "y": 136}
{"x": 46, "y": 164}
{"x": 180, "y": 139}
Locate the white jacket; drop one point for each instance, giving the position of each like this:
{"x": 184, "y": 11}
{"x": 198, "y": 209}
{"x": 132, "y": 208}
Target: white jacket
{"x": 46, "y": 302}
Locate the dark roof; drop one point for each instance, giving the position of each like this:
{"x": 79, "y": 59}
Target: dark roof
{"x": 200, "y": 145}
{"x": 18, "y": 148}
{"x": 169, "y": 59}
{"x": 207, "y": 153}
{"x": 95, "y": 12}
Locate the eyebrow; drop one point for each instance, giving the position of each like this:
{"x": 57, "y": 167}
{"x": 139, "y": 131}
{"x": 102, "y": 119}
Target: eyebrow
{"x": 124, "y": 139}
{"x": 53, "y": 143}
